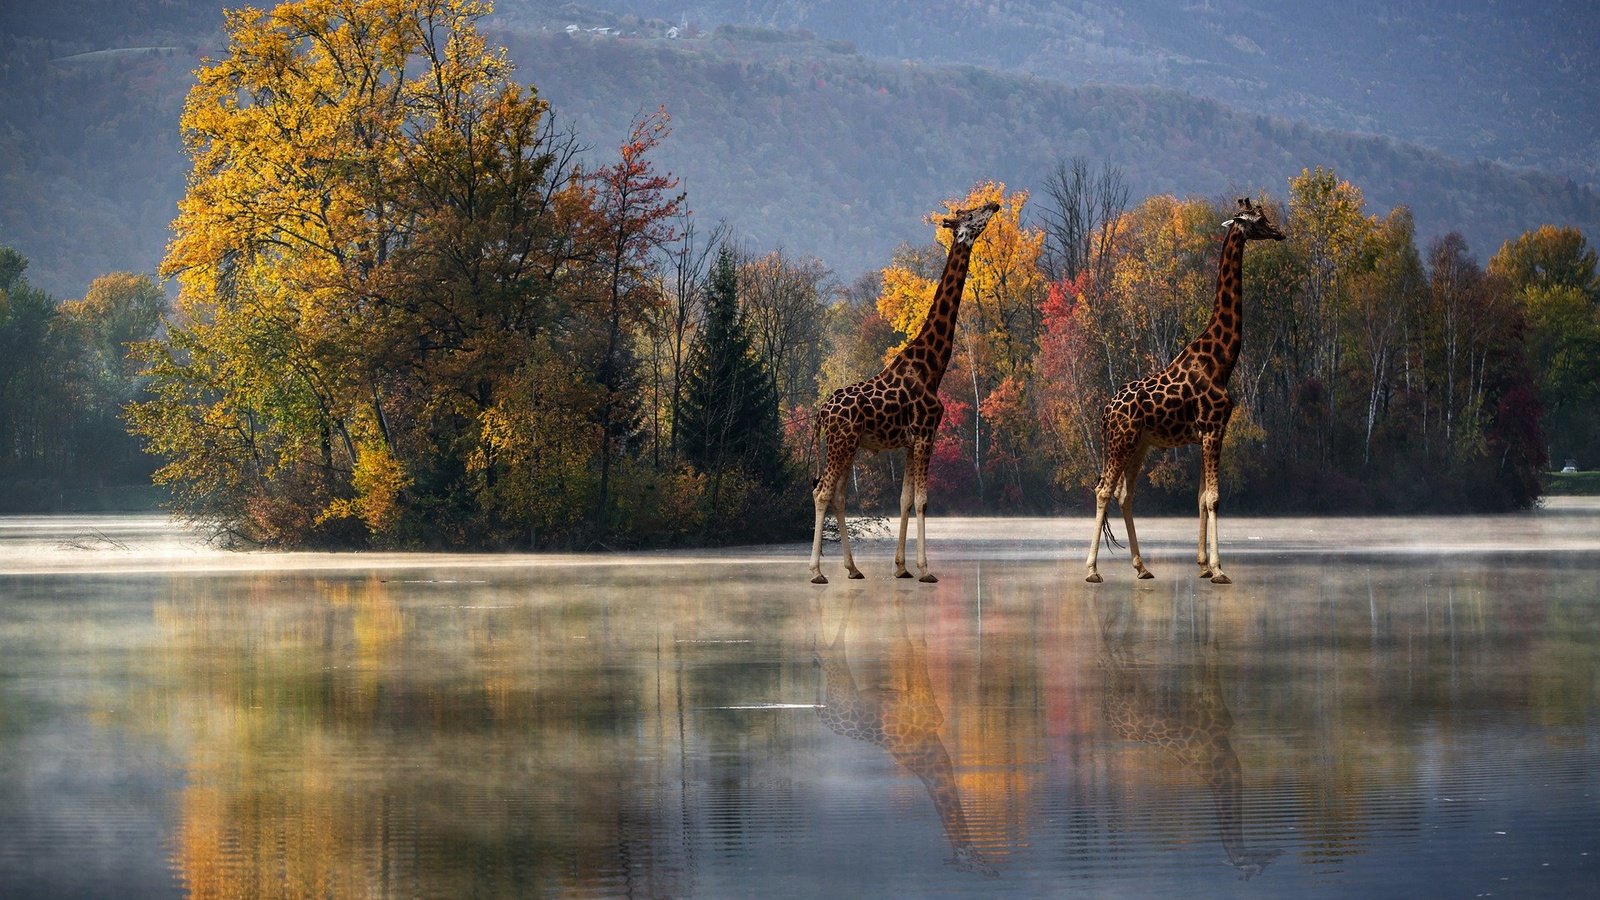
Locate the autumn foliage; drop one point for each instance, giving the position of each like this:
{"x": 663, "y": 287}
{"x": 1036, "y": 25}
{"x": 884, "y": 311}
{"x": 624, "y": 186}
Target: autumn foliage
{"x": 1370, "y": 378}
{"x": 412, "y": 311}
{"x": 408, "y": 315}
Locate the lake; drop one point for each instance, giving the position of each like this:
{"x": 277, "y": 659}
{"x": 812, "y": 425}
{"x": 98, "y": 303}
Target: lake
{"x": 1378, "y": 707}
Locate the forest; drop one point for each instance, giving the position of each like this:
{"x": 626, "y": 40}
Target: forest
{"x": 413, "y": 311}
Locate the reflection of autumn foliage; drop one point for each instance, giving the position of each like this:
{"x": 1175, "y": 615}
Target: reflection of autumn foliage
{"x": 345, "y": 734}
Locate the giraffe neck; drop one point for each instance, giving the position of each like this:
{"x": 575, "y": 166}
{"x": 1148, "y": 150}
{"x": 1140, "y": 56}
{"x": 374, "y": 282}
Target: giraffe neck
{"x": 925, "y": 756}
{"x": 1217, "y": 348}
{"x": 929, "y": 351}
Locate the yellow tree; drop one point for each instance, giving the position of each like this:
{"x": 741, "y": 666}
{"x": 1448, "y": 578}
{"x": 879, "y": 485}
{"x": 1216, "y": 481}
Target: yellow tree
{"x": 366, "y": 187}
{"x": 1161, "y": 282}
{"x": 997, "y": 333}
{"x": 1331, "y": 233}
{"x": 1552, "y": 272}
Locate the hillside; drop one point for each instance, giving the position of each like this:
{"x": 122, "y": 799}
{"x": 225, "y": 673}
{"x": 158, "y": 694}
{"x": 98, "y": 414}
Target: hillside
{"x": 1511, "y": 82}
{"x": 799, "y": 142}
{"x": 835, "y": 154}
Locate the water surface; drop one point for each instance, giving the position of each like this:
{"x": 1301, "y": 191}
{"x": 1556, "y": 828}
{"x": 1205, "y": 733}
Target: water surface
{"x": 1377, "y": 707}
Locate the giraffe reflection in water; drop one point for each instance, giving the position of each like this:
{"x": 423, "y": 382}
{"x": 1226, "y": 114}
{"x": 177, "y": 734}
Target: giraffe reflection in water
{"x": 1176, "y": 704}
{"x": 886, "y": 699}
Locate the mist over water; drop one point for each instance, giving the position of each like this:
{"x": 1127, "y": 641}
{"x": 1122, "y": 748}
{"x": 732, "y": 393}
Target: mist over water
{"x": 1377, "y": 707}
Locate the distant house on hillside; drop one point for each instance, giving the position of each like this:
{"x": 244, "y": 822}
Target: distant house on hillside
{"x": 672, "y": 33}
{"x": 572, "y": 29}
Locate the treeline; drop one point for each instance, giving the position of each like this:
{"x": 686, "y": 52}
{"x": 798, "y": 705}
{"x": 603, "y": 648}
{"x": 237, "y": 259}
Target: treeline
{"x": 65, "y": 377}
{"x": 1374, "y": 376}
{"x": 411, "y": 314}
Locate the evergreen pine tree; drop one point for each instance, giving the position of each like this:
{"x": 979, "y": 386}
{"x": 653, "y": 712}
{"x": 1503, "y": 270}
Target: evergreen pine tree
{"x": 729, "y": 413}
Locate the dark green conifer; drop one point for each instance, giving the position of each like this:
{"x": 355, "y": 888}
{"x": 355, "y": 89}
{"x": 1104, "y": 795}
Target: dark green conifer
{"x": 729, "y": 414}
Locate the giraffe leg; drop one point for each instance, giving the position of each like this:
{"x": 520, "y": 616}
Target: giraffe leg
{"x": 917, "y": 464}
{"x": 844, "y": 530}
{"x": 820, "y": 496}
{"x": 1118, "y": 448}
{"x": 1200, "y": 550}
{"x": 1130, "y": 478}
{"x": 841, "y": 453}
{"x": 908, "y": 491}
{"x": 1102, "y": 496}
{"x": 1211, "y": 458}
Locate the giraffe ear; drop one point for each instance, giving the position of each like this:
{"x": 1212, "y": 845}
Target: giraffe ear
{"x": 1228, "y": 223}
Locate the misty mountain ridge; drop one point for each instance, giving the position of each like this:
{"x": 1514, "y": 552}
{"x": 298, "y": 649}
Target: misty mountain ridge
{"x": 798, "y": 138}
{"x": 1509, "y": 82}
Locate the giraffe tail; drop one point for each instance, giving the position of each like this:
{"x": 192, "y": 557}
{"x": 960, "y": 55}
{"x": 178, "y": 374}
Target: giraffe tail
{"x": 1105, "y": 528}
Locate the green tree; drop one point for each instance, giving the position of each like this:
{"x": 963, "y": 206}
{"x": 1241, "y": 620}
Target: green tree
{"x": 729, "y": 418}
{"x": 34, "y": 435}
{"x": 65, "y": 377}
{"x": 1552, "y": 271}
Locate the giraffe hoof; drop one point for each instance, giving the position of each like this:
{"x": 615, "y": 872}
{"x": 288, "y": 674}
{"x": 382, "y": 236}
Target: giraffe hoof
{"x": 1094, "y": 578}
{"x": 928, "y": 579}
{"x": 902, "y": 574}
{"x": 856, "y": 573}
{"x": 1220, "y": 578}
{"x": 1145, "y": 573}
{"x": 1205, "y": 573}
{"x": 819, "y": 579}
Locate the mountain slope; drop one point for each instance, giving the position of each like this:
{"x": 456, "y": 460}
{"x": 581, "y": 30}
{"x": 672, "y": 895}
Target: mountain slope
{"x": 1513, "y": 82}
{"x": 837, "y": 155}
{"x": 799, "y": 143}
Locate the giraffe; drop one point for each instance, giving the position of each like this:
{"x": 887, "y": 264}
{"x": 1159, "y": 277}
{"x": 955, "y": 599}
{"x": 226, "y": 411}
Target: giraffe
{"x": 899, "y": 714}
{"x": 898, "y": 407}
{"x": 1185, "y": 403}
{"x": 1178, "y": 706}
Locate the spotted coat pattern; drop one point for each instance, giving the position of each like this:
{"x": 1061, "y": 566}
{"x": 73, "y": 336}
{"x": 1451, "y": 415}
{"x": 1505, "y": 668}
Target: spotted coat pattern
{"x": 898, "y": 407}
{"x": 1178, "y": 706}
{"x": 1185, "y": 403}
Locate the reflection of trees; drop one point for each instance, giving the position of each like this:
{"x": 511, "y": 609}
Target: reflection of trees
{"x": 358, "y": 742}
{"x": 896, "y": 710}
{"x": 343, "y": 735}
{"x": 1177, "y": 704}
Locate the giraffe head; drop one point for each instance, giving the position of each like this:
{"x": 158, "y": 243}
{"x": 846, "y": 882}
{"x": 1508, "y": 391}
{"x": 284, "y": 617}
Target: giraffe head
{"x": 969, "y": 223}
{"x": 1252, "y": 220}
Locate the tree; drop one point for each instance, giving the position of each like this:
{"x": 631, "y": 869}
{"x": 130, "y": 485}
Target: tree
{"x": 636, "y": 206}
{"x": 729, "y": 419}
{"x": 782, "y": 298}
{"x": 1328, "y": 229}
{"x": 1080, "y": 217}
{"x": 672, "y": 324}
{"x": 34, "y": 436}
{"x": 1552, "y": 272}
{"x": 1381, "y": 297}
{"x": 372, "y": 249}
{"x": 64, "y": 380}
